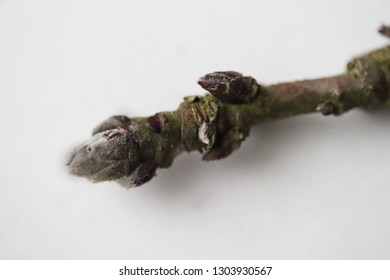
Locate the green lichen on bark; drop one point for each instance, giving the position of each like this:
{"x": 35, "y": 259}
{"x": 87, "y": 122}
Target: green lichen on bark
{"x": 130, "y": 150}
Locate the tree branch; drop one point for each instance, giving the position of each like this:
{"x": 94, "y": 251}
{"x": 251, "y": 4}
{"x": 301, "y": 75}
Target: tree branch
{"x": 130, "y": 150}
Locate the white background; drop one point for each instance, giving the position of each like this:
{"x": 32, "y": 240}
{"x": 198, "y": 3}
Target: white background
{"x": 309, "y": 187}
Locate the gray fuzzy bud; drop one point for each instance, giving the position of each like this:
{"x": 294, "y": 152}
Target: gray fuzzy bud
{"x": 107, "y": 155}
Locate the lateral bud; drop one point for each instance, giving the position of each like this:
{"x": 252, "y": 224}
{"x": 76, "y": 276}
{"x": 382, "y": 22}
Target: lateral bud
{"x": 113, "y": 122}
{"x": 385, "y": 30}
{"x": 230, "y": 87}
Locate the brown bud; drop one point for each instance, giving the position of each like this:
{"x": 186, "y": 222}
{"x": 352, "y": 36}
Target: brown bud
{"x": 327, "y": 108}
{"x": 113, "y": 122}
{"x": 384, "y": 30}
{"x": 157, "y": 122}
{"x": 223, "y": 150}
{"x": 227, "y": 86}
{"x": 226, "y": 145}
{"x": 231, "y": 87}
{"x": 154, "y": 123}
{"x": 145, "y": 173}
